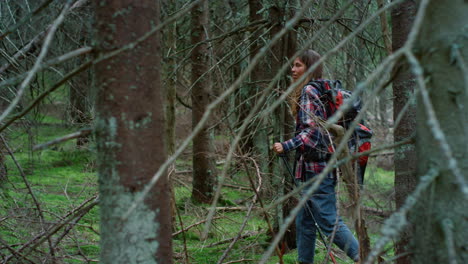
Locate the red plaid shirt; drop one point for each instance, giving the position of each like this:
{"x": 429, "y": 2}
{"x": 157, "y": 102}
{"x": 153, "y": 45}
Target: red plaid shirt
{"x": 308, "y": 133}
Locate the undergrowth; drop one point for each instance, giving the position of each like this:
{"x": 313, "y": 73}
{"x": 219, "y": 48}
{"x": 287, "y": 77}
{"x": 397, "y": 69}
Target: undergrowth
{"x": 62, "y": 177}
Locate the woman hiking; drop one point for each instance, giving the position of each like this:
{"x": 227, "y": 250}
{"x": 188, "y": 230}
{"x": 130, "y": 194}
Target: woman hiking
{"x": 321, "y": 206}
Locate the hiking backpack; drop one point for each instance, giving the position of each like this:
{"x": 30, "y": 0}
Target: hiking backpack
{"x": 332, "y": 96}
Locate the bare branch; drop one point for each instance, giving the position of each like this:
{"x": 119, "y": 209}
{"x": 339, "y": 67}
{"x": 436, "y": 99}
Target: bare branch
{"x": 84, "y": 208}
{"x": 32, "y": 43}
{"x": 193, "y": 225}
{"x": 81, "y": 133}
{"x": 42, "y": 54}
{"x": 38, "y": 99}
{"x": 49, "y": 63}
{"x": 24, "y": 19}
{"x": 246, "y": 235}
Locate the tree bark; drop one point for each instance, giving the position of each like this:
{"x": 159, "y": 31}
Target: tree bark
{"x": 129, "y": 133}
{"x": 441, "y": 225}
{"x": 203, "y": 160}
{"x": 403, "y": 89}
{"x": 288, "y": 131}
{"x": 170, "y": 103}
{"x": 282, "y": 120}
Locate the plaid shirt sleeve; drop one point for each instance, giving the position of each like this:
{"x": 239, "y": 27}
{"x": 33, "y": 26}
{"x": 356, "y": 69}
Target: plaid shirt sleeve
{"x": 308, "y": 132}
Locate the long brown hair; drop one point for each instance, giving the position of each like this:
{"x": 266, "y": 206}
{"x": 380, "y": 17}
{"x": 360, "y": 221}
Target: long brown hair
{"x": 309, "y": 58}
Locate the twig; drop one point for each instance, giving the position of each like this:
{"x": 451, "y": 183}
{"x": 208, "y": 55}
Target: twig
{"x": 182, "y": 102}
{"x": 30, "y": 191}
{"x": 62, "y": 58}
{"x": 35, "y": 68}
{"x": 239, "y": 236}
{"x": 187, "y": 259}
{"x": 81, "y": 133}
{"x": 193, "y": 225}
{"x": 16, "y": 254}
{"x": 238, "y": 261}
{"x": 237, "y": 187}
{"x": 256, "y": 196}
{"x": 22, "y": 53}
{"x": 237, "y": 208}
{"x": 447, "y": 228}
{"x": 246, "y": 235}
{"x": 40, "y": 238}
{"x": 464, "y": 68}
{"x": 359, "y": 35}
{"x": 24, "y": 19}
{"x": 68, "y": 229}
{"x": 184, "y": 172}
{"x": 376, "y": 211}
{"x": 38, "y": 99}
{"x": 406, "y": 141}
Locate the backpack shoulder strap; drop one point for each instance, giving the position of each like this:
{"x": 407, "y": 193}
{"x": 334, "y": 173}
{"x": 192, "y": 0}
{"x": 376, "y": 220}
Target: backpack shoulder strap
{"x": 319, "y": 85}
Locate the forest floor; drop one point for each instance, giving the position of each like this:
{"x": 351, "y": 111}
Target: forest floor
{"x": 53, "y": 187}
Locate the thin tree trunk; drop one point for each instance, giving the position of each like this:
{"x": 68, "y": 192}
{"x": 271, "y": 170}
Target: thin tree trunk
{"x": 246, "y": 95}
{"x": 259, "y": 78}
{"x": 130, "y": 135}
{"x": 170, "y": 104}
{"x": 283, "y": 127}
{"x": 288, "y": 132}
{"x": 441, "y": 225}
{"x": 3, "y": 168}
{"x": 203, "y": 160}
{"x": 79, "y": 93}
{"x": 384, "y": 26}
{"x": 403, "y": 88}
{"x": 80, "y": 90}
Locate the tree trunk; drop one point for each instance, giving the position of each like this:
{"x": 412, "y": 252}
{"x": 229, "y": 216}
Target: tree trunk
{"x": 79, "y": 93}
{"x": 3, "y": 168}
{"x": 403, "y": 88}
{"x": 170, "y": 102}
{"x": 259, "y": 79}
{"x": 283, "y": 122}
{"x": 246, "y": 98}
{"x": 203, "y": 160}
{"x": 129, "y": 131}
{"x": 288, "y": 131}
{"x": 441, "y": 216}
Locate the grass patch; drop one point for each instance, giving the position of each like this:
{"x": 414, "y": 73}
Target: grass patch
{"x": 62, "y": 177}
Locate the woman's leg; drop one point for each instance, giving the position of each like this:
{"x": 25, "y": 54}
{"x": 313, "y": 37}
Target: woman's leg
{"x": 305, "y": 234}
{"x": 324, "y": 212}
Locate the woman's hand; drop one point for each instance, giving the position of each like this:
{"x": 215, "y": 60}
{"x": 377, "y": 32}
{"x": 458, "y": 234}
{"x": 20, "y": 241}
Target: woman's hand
{"x": 278, "y": 148}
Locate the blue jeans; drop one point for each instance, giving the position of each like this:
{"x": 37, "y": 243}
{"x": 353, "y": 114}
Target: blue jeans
{"x": 322, "y": 207}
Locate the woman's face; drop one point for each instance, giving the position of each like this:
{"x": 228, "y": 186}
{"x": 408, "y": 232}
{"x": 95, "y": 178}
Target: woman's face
{"x": 298, "y": 69}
